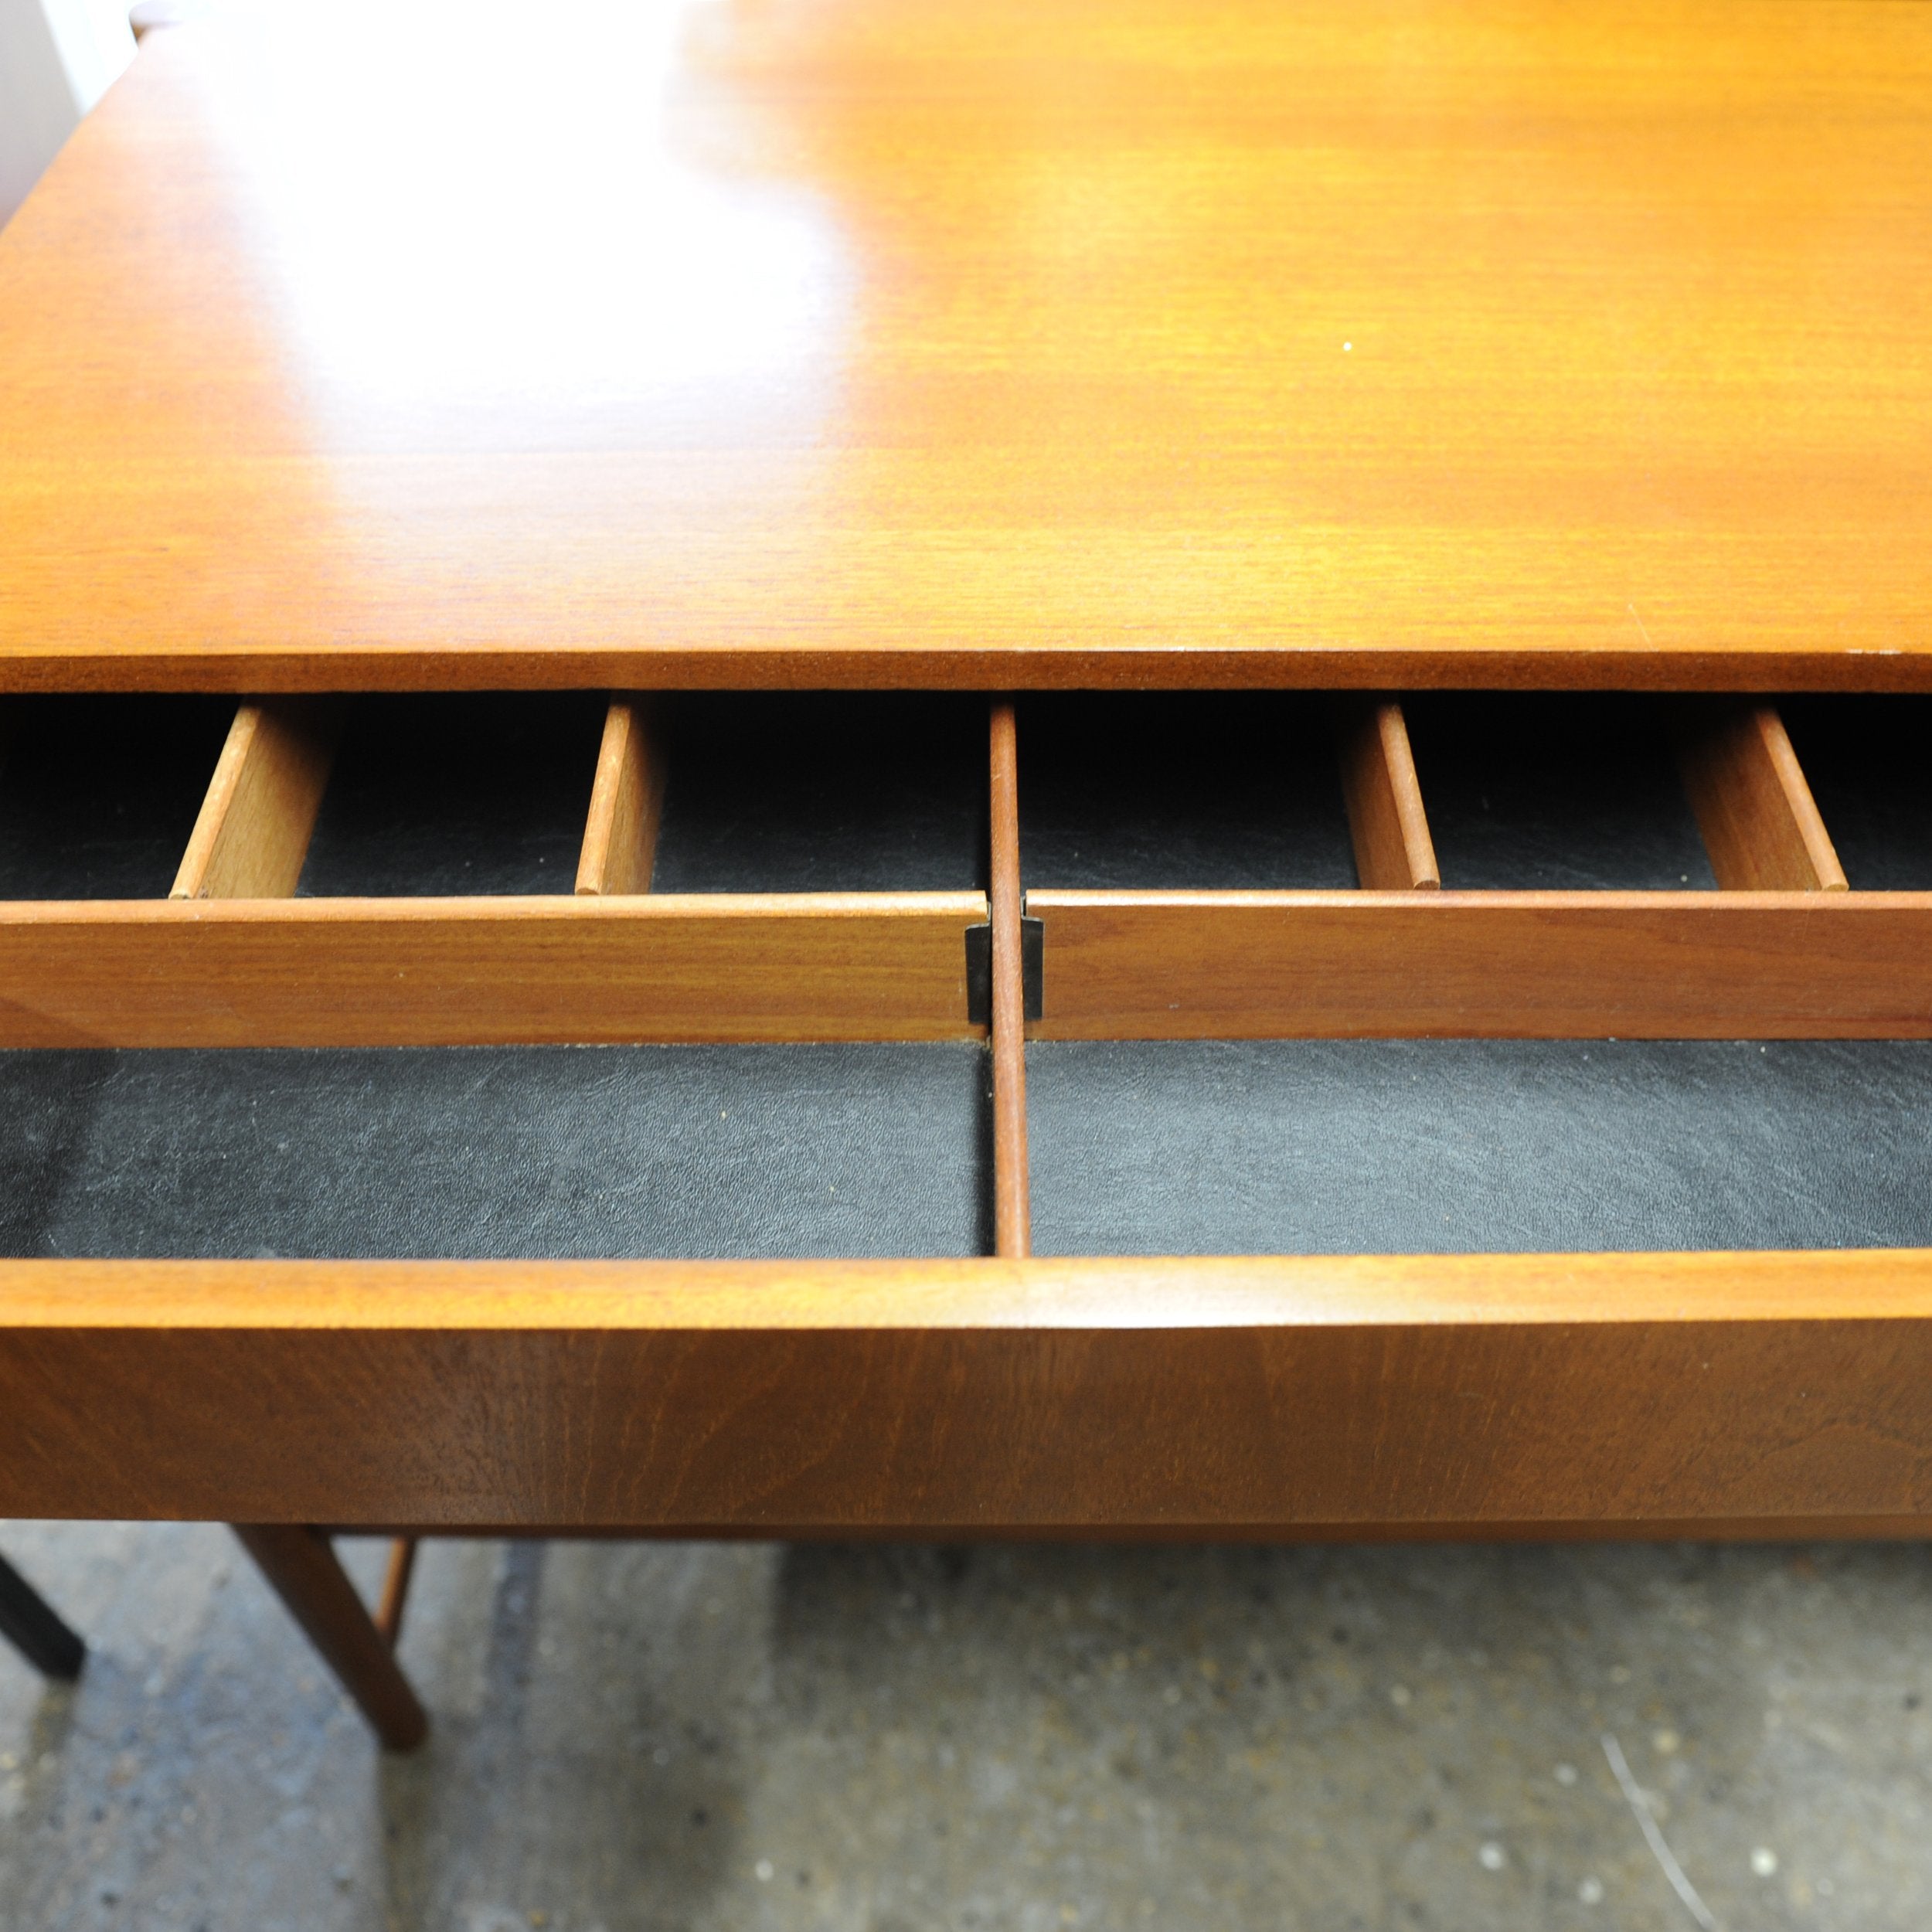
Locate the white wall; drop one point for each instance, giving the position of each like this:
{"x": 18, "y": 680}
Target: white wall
{"x": 57, "y": 58}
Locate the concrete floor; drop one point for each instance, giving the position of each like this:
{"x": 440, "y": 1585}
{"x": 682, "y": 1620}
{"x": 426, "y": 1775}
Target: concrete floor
{"x": 888, "y": 1740}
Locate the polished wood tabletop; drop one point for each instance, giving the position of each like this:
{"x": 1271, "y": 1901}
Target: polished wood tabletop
{"x": 1004, "y": 343}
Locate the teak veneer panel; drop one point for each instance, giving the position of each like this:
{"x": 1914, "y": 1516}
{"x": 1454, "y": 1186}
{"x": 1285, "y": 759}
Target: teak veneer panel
{"x": 436, "y": 972}
{"x": 848, "y": 342}
{"x": 1532, "y": 965}
{"x": 929, "y": 1397}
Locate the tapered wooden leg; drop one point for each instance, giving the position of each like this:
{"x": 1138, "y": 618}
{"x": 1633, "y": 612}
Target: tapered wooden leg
{"x": 396, "y": 1590}
{"x": 30, "y": 1623}
{"x": 300, "y": 1567}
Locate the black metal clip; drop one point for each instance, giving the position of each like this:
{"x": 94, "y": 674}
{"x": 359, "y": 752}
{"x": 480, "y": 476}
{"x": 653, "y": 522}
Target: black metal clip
{"x": 979, "y": 970}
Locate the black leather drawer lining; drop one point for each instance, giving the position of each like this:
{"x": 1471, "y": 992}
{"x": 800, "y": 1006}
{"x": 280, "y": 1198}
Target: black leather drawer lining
{"x": 1461, "y": 1146}
{"x": 1137, "y": 1147}
{"x": 522, "y": 1151}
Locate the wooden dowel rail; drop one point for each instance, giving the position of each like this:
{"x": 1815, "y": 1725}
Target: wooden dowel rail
{"x": 1012, "y": 1218}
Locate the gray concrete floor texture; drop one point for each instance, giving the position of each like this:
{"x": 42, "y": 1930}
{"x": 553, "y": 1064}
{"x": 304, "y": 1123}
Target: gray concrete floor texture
{"x": 743, "y": 1737}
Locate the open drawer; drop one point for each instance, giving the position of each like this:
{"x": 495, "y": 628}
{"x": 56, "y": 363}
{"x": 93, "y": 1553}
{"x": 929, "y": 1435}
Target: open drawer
{"x": 366, "y": 1182}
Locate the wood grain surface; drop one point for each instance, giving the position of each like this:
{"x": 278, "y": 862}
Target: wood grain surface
{"x": 1250, "y": 1395}
{"x": 433, "y": 972}
{"x": 1113, "y": 342}
{"x": 1534, "y": 965}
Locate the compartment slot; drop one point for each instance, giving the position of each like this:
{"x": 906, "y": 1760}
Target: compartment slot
{"x": 520, "y": 1152}
{"x": 1760, "y": 826}
{"x": 477, "y": 793}
{"x": 98, "y": 795}
{"x": 1393, "y": 852}
{"x": 1403, "y": 1147}
{"x": 1182, "y": 791}
{"x": 1554, "y": 792}
{"x": 252, "y": 837}
{"x": 813, "y": 792}
{"x": 1868, "y": 762}
{"x": 627, "y": 801}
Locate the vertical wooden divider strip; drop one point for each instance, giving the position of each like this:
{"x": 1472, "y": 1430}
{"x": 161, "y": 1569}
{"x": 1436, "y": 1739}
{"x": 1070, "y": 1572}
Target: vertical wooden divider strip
{"x": 256, "y": 820}
{"x": 1753, "y": 804}
{"x": 627, "y": 801}
{"x": 1393, "y": 851}
{"x": 1012, "y": 1215}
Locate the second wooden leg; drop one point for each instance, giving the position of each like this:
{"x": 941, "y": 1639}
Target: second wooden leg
{"x": 35, "y": 1628}
{"x": 301, "y": 1567}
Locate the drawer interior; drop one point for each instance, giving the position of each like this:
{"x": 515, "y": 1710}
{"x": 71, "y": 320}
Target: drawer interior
{"x": 582, "y": 974}
{"x": 1134, "y": 1147}
{"x": 1557, "y": 790}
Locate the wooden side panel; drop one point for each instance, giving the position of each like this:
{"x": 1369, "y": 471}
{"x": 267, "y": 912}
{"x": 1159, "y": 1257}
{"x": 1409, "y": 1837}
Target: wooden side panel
{"x": 1754, "y": 807}
{"x": 1126, "y": 1416}
{"x": 1393, "y": 851}
{"x": 1506, "y": 965}
{"x": 253, "y": 831}
{"x": 436, "y": 972}
{"x": 627, "y": 801}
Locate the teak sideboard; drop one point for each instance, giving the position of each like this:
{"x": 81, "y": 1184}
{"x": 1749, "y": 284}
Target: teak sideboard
{"x": 1396, "y": 536}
